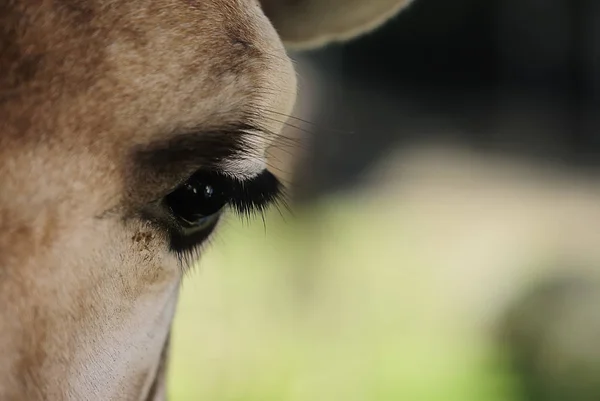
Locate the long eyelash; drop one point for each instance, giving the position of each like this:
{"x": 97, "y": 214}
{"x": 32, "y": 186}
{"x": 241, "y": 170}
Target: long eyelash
{"x": 255, "y": 195}
{"x": 189, "y": 256}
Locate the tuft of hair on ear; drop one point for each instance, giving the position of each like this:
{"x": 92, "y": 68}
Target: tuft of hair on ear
{"x": 309, "y": 24}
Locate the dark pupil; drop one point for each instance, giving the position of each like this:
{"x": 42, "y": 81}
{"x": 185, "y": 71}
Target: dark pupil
{"x": 196, "y": 199}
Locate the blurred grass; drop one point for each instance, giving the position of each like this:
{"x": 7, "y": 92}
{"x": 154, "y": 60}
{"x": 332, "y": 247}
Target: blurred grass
{"x": 331, "y": 304}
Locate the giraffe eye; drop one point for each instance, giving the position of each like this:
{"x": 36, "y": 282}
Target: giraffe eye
{"x": 193, "y": 208}
{"x": 197, "y": 201}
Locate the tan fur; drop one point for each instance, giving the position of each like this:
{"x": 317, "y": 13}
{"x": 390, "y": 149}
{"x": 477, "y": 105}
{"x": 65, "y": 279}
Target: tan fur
{"x": 306, "y": 24}
{"x": 87, "y": 294}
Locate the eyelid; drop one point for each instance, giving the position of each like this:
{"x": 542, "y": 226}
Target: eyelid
{"x": 155, "y": 169}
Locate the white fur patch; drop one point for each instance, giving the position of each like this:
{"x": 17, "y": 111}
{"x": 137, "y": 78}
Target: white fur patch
{"x": 244, "y": 168}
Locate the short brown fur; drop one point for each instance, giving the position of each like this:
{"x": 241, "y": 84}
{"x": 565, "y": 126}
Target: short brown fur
{"x": 88, "y": 287}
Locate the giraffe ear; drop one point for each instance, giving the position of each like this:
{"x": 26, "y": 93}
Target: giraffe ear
{"x": 305, "y": 24}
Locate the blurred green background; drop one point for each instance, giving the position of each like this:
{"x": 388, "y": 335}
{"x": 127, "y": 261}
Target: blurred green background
{"x": 444, "y": 276}
{"x": 332, "y": 303}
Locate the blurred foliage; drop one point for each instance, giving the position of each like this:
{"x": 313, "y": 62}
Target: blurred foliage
{"x": 329, "y": 304}
{"x": 552, "y": 336}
